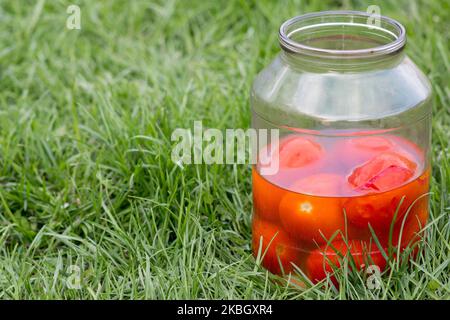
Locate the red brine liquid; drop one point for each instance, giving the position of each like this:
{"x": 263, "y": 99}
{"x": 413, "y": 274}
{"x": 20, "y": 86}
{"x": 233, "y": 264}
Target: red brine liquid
{"x": 331, "y": 195}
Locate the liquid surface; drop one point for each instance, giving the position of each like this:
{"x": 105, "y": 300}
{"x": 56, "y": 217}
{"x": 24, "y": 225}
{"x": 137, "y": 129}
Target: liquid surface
{"x": 305, "y": 157}
{"x": 327, "y": 196}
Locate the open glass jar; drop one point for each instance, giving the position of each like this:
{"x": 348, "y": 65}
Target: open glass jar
{"x": 353, "y": 156}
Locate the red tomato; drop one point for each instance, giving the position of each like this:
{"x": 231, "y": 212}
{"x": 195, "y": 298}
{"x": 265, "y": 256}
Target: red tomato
{"x": 276, "y": 247}
{"x": 322, "y": 261}
{"x": 321, "y": 184}
{"x": 266, "y": 197}
{"x": 375, "y": 168}
{"x": 388, "y": 178}
{"x": 410, "y": 229}
{"x": 308, "y": 217}
{"x": 416, "y": 220}
{"x": 294, "y": 152}
{"x": 409, "y": 146}
{"x": 352, "y": 151}
{"x": 372, "y": 143}
{"x": 298, "y": 151}
{"x": 413, "y": 227}
{"x": 379, "y": 209}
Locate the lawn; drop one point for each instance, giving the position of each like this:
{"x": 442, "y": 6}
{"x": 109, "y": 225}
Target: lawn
{"x": 88, "y": 190}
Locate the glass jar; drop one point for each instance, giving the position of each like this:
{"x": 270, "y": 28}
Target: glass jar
{"x": 352, "y": 162}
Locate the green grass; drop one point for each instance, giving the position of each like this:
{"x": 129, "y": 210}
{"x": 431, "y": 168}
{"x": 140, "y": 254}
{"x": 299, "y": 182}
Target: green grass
{"x": 85, "y": 172}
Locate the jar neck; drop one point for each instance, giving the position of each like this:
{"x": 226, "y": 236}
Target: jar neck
{"x": 342, "y": 41}
{"x": 308, "y": 63}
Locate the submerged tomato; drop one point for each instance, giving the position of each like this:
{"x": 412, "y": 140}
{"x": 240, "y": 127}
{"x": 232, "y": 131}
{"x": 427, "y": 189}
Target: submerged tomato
{"x": 266, "y": 197}
{"x": 379, "y": 209}
{"x": 378, "y": 171}
{"x": 293, "y": 152}
{"x": 412, "y": 230}
{"x": 353, "y": 151}
{"x": 383, "y": 178}
{"x": 309, "y": 217}
{"x": 322, "y": 260}
{"x": 321, "y": 184}
{"x": 374, "y": 143}
{"x": 410, "y": 146}
{"x": 276, "y": 247}
{"x": 388, "y": 179}
{"x": 299, "y": 151}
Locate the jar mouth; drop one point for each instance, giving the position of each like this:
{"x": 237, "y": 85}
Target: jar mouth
{"x": 342, "y": 34}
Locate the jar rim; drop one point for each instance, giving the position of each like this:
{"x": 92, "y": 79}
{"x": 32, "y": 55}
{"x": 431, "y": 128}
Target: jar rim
{"x": 290, "y": 45}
